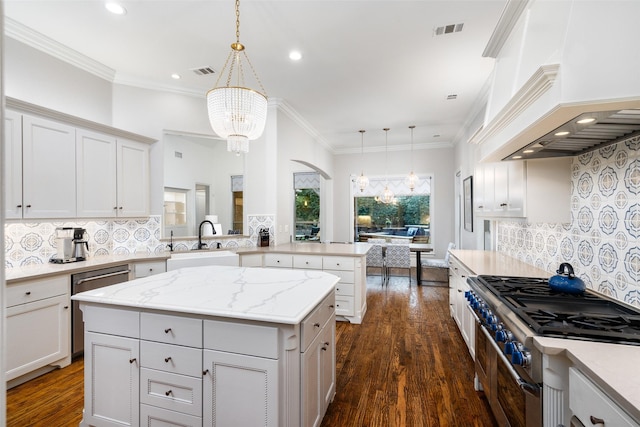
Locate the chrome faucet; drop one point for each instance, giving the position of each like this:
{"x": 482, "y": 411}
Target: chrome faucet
{"x": 200, "y": 244}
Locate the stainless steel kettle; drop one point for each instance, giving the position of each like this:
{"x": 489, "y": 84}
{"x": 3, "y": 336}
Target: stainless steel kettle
{"x": 566, "y": 280}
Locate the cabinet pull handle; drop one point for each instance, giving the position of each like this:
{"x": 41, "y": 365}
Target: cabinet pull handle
{"x": 502, "y": 205}
{"x": 205, "y": 372}
{"x": 28, "y": 293}
{"x": 66, "y": 307}
{"x": 331, "y": 306}
{"x": 167, "y": 359}
{"x": 167, "y": 393}
{"x": 132, "y": 360}
{"x": 596, "y": 420}
{"x": 28, "y": 206}
{"x": 166, "y": 331}
{"x": 317, "y": 325}
{"x": 18, "y": 206}
{"x": 120, "y": 208}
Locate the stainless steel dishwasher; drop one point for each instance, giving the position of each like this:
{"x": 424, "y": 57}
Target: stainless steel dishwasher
{"x": 87, "y": 281}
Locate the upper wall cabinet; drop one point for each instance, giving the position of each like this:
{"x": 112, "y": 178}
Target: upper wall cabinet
{"x": 112, "y": 176}
{"x": 538, "y": 190}
{"x": 48, "y": 170}
{"x": 56, "y": 170}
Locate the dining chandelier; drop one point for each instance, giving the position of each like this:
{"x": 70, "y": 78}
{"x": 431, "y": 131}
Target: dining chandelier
{"x": 387, "y": 196}
{"x": 412, "y": 179}
{"x": 362, "y": 180}
{"x": 236, "y": 112}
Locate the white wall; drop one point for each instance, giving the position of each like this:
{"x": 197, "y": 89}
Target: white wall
{"x": 33, "y": 76}
{"x": 438, "y": 162}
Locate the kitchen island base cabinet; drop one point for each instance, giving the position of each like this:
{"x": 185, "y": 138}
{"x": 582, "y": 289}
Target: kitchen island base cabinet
{"x": 159, "y": 368}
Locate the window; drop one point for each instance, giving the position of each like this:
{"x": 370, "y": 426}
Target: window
{"x": 175, "y": 211}
{"x": 408, "y": 217}
{"x": 307, "y": 206}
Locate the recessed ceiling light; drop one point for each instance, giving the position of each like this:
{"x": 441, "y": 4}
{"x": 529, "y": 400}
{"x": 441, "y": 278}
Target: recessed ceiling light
{"x": 176, "y": 76}
{"x": 562, "y": 133}
{"x": 295, "y": 55}
{"x": 115, "y": 8}
{"x": 586, "y": 120}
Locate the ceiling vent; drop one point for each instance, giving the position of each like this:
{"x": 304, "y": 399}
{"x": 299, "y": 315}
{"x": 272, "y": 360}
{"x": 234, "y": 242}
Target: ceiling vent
{"x": 203, "y": 71}
{"x": 452, "y": 96}
{"x": 448, "y": 29}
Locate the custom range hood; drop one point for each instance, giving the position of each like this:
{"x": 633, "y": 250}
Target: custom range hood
{"x": 586, "y": 132}
{"x": 564, "y": 82}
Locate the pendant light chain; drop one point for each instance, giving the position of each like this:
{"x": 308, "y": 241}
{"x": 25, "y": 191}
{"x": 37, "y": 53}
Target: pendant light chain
{"x": 386, "y": 156}
{"x": 238, "y": 21}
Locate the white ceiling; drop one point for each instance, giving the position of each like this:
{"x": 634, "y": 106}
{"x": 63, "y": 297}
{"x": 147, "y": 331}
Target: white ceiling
{"x": 366, "y": 64}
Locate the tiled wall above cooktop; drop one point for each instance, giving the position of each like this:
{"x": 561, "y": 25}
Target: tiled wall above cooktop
{"x": 602, "y": 242}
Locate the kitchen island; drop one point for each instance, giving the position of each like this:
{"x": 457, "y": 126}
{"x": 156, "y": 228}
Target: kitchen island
{"x": 211, "y": 346}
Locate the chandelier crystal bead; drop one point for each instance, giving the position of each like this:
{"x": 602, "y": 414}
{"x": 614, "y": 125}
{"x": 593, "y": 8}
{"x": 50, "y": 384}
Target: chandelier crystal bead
{"x": 236, "y": 112}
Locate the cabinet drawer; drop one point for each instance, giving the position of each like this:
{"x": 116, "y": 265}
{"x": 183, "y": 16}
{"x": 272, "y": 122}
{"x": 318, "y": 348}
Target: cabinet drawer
{"x": 307, "y": 262}
{"x": 171, "y": 329}
{"x": 171, "y": 358}
{"x": 315, "y": 321}
{"x": 152, "y": 416}
{"x": 253, "y": 340}
{"x": 144, "y": 269}
{"x": 344, "y": 275}
{"x": 345, "y": 289}
{"x": 278, "y": 260}
{"x": 586, "y": 400}
{"x": 34, "y": 290}
{"x": 112, "y": 321}
{"x": 345, "y": 305}
{"x": 171, "y": 391}
{"x": 337, "y": 263}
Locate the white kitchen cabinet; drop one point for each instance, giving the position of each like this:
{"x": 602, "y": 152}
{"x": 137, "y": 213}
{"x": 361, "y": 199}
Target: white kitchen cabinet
{"x": 148, "y": 268}
{"x": 38, "y": 325}
{"x": 12, "y": 173}
{"x": 112, "y": 366}
{"x": 539, "y": 190}
{"x": 48, "y": 169}
{"x": 113, "y": 176}
{"x": 278, "y": 260}
{"x": 96, "y": 174}
{"x": 458, "y": 304}
{"x": 592, "y": 406}
{"x": 132, "y": 178}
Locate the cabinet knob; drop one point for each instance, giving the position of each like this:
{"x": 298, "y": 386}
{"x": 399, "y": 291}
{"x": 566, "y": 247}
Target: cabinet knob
{"x": 502, "y": 205}
{"x": 132, "y": 360}
{"x": 66, "y": 307}
{"x": 205, "y": 372}
{"x": 18, "y": 206}
{"x": 317, "y": 325}
{"x": 168, "y": 393}
{"x": 120, "y": 208}
{"x": 331, "y": 306}
{"x": 28, "y": 293}
{"x": 28, "y": 206}
{"x": 166, "y": 331}
{"x": 167, "y": 359}
{"x": 115, "y": 207}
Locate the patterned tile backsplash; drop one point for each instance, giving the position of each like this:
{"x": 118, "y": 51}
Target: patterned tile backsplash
{"x": 29, "y": 243}
{"x": 602, "y": 242}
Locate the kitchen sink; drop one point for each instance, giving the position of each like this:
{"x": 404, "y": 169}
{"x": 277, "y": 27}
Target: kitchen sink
{"x": 202, "y": 258}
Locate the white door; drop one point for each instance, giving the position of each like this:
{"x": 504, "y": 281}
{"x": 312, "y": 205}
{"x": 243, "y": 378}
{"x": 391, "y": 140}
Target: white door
{"x": 13, "y": 164}
{"x": 133, "y": 178}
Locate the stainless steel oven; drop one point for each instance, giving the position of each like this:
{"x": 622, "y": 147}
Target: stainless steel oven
{"x": 514, "y": 399}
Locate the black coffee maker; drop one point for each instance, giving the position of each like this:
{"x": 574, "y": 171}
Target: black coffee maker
{"x": 80, "y": 244}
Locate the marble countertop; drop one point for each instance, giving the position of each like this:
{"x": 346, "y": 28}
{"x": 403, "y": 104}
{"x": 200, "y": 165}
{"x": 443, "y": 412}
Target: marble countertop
{"x": 497, "y": 263}
{"x": 329, "y": 249}
{"x": 38, "y": 271}
{"x": 259, "y": 294}
{"x": 612, "y": 366}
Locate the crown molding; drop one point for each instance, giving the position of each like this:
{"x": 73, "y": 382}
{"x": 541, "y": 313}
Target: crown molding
{"x": 39, "y": 41}
{"x": 282, "y": 105}
{"x": 400, "y": 147}
{"x": 510, "y": 15}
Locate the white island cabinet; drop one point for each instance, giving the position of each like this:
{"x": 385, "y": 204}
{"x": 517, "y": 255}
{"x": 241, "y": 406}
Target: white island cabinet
{"x": 211, "y": 346}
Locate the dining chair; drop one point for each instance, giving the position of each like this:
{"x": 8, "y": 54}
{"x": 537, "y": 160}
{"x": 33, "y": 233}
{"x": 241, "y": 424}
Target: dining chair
{"x": 437, "y": 265}
{"x": 399, "y": 241}
{"x": 377, "y": 241}
{"x": 375, "y": 258}
{"x": 397, "y": 256}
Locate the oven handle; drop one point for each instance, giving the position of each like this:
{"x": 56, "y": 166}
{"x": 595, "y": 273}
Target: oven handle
{"x": 526, "y": 386}
{"x": 102, "y": 276}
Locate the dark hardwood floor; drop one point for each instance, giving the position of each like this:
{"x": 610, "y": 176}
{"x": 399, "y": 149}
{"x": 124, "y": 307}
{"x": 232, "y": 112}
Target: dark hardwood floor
{"x": 406, "y": 365}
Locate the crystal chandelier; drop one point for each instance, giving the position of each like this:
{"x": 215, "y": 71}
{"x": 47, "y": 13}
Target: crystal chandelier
{"x": 237, "y": 112}
{"x": 387, "y": 196}
{"x": 412, "y": 179}
{"x": 362, "y": 180}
